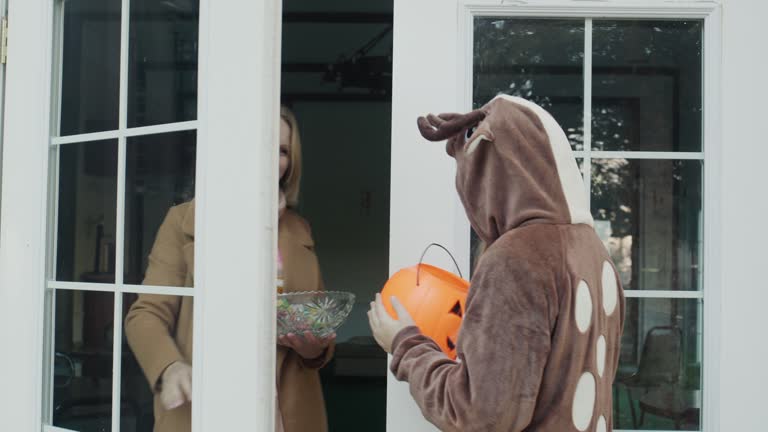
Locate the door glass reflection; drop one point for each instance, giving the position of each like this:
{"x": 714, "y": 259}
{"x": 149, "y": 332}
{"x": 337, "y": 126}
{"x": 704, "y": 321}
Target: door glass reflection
{"x": 90, "y": 68}
{"x": 82, "y": 393}
{"x": 87, "y": 205}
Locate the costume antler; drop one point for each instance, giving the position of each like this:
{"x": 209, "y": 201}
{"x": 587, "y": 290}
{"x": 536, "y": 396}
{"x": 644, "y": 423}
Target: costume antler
{"x": 438, "y": 128}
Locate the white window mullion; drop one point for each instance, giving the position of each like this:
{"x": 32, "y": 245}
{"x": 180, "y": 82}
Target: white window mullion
{"x": 117, "y": 325}
{"x": 160, "y": 290}
{"x": 49, "y": 338}
{"x": 80, "y": 286}
{"x": 666, "y": 155}
{"x": 160, "y": 128}
{"x": 125, "y": 132}
{"x": 648, "y": 155}
{"x": 86, "y": 137}
{"x": 587, "y": 124}
{"x": 664, "y": 294}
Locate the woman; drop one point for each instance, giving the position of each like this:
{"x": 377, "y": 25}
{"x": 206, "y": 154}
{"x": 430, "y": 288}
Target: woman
{"x": 159, "y": 327}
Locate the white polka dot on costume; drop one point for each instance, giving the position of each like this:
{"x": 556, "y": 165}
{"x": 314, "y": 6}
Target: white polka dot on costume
{"x": 601, "y": 425}
{"x": 610, "y": 288}
{"x": 600, "y": 353}
{"x": 583, "y": 312}
{"x": 584, "y": 401}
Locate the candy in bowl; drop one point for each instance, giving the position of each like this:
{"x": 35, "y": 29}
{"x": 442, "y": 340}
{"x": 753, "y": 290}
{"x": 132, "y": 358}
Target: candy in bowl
{"x": 318, "y": 312}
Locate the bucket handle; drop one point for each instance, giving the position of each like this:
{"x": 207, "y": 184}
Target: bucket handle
{"x": 418, "y": 268}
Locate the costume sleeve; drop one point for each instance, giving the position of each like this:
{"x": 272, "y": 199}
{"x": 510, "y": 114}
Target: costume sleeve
{"x": 151, "y": 322}
{"x": 503, "y": 346}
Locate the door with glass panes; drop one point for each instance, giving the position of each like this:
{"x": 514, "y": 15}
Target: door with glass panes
{"x": 102, "y": 183}
{"x": 122, "y": 157}
{"x": 627, "y": 86}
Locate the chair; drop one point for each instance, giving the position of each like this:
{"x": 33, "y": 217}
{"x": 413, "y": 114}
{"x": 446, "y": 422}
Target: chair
{"x": 658, "y": 377}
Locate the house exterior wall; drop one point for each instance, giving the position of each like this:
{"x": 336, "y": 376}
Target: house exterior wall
{"x": 744, "y": 206}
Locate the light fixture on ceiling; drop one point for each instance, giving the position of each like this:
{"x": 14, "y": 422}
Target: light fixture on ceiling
{"x": 361, "y": 70}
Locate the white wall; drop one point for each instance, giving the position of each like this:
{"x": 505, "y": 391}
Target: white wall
{"x": 345, "y": 149}
{"x": 744, "y": 346}
{"x": 421, "y": 170}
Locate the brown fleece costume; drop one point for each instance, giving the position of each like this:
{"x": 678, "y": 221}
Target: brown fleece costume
{"x": 539, "y": 345}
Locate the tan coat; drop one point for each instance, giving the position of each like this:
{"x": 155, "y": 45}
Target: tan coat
{"x": 159, "y": 327}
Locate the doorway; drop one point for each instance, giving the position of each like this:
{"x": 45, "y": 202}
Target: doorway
{"x": 337, "y": 79}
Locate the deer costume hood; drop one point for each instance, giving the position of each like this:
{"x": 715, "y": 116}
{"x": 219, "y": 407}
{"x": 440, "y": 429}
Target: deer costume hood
{"x": 514, "y": 166}
{"x": 539, "y": 343}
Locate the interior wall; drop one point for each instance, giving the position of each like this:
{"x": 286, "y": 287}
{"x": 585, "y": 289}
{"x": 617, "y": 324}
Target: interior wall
{"x": 345, "y": 197}
{"x": 345, "y": 123}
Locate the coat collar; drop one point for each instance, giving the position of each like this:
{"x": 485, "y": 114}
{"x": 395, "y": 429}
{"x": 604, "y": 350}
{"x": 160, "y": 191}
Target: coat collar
{"x": 188, "y": 220}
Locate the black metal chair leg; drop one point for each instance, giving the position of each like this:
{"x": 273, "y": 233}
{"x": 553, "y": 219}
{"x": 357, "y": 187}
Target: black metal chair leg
{"x": 632, "y": 409}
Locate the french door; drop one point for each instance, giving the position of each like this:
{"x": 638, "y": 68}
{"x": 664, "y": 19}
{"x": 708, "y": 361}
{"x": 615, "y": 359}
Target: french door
{"x": 117, "y": 111}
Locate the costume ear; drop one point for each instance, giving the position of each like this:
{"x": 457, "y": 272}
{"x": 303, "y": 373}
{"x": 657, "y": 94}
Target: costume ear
{"x": 476, "y": 142}
{"x": 438, "y": 128}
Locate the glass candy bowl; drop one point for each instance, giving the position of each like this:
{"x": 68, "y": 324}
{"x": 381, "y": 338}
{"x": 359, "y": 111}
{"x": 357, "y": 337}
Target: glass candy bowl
{"x": 318, "y": 312}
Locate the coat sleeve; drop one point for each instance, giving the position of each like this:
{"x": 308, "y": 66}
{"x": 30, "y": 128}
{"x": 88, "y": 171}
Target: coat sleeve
{"x": 503, "y": 346}
{"x": 151, "y": 321}
{"x": 323, "y": 359}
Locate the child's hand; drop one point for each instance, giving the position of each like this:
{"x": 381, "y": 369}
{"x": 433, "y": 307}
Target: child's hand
{"x": 308, "y": 347}
{"x": 384, "y": 327}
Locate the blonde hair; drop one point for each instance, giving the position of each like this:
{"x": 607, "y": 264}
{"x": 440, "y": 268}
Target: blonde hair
{"x": 291, "y": 181}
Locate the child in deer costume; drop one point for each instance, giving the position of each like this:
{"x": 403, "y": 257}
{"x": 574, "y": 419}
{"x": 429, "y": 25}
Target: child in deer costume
{"x": 539, "y": 344}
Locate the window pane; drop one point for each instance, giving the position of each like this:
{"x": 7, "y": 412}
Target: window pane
{"x": 162, "y": 84}
{"x": 147, "y": 318}
{"x": 160, "y": 174}
{"x": 90, "y": 69}
{"x": 86, "y": 213}
{"x": 648, "y": 213}
{"x": 658, "y": 384}
{"x": 82, "y": 387}
{"x": 538, "y": 59}
{"x": 646, "y": 84}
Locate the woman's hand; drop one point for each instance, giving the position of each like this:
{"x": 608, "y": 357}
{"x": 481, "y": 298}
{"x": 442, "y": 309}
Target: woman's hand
{"x": 176, "y": 385}
{"x": 384, "y": 327}
{"x": 308, "y": 346}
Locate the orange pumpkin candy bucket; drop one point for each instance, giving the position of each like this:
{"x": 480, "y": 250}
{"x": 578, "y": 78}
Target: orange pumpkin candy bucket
{"x": 434, "y": 297}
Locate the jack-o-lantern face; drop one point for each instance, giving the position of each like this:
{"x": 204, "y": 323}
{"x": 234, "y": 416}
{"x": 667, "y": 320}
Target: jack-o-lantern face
{"x": 451, "y": 324}
{"x": 436, "y": 303}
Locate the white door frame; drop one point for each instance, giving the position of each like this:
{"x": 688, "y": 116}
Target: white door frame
{"x": 433, "y": 73}
{"x": 238, "y": 105}
{"x": 236, "y": 194}
{"x": 3, "y": 15}
{"x": 22, "y": 233}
